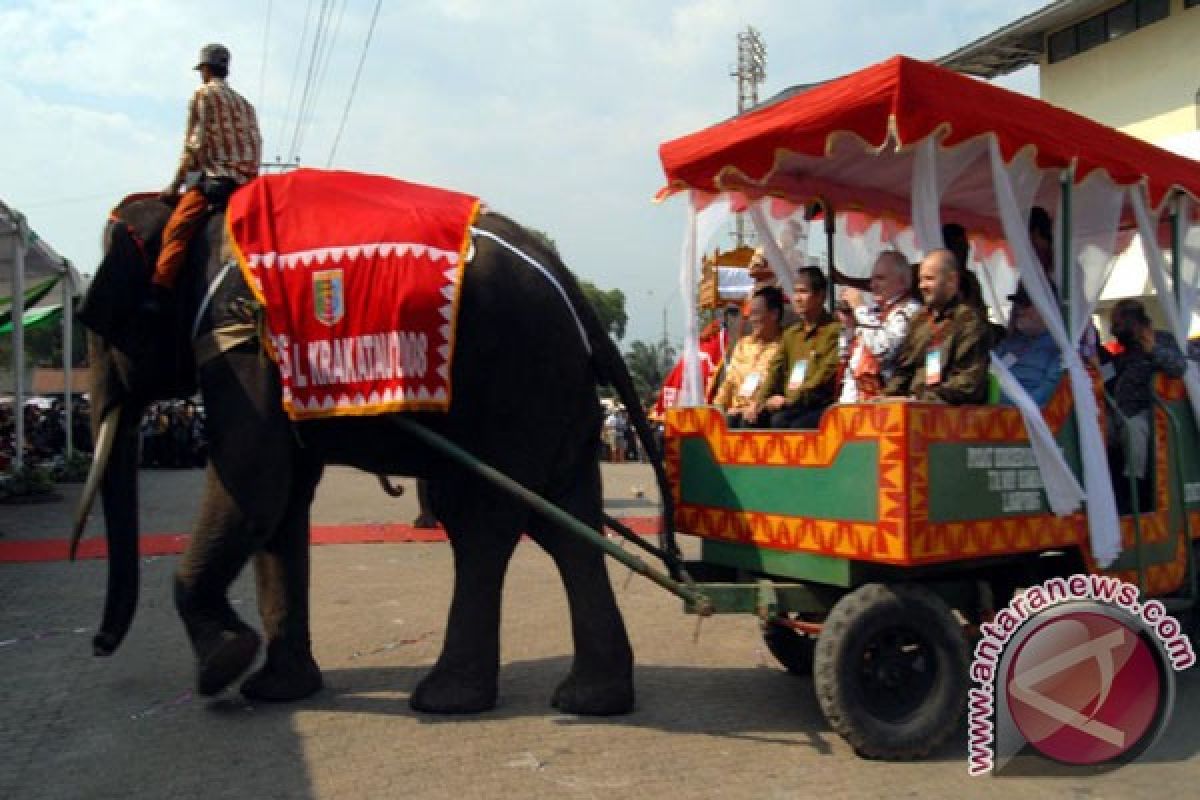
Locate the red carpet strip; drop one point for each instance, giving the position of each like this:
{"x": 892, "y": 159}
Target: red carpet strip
{"x": 169, "y": 544}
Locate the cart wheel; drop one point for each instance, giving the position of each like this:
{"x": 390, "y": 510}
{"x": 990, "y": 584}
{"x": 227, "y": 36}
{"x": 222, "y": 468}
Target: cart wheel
{"x": 791, "y": 648}
{"x": 890, "y": 671}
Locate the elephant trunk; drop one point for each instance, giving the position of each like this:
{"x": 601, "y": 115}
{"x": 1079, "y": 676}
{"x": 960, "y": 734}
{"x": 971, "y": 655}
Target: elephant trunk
{"x": 119, "y": 495}
{"x": 116, "y": 418}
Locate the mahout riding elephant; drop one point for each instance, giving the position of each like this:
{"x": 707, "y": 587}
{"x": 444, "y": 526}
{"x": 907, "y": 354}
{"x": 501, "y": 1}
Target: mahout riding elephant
{"x": 524, "y": 401}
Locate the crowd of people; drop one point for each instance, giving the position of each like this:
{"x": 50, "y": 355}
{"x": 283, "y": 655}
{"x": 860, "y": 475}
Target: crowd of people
{"x": 172, "y": 435}
{"x": 619, "y": 440}
{"x": 929, "y": 342}
{"x": 45, "y": 431}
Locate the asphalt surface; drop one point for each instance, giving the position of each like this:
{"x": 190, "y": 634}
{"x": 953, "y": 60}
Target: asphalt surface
{"x": 716, "y": 717}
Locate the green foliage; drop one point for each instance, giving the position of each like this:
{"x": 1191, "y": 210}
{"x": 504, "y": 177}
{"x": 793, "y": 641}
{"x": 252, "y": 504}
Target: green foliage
{"x": 609, "y": 306}
{"x": 28, "y": 481}
{"x": 74, "y": 468}
{"x": 648, "y": 365}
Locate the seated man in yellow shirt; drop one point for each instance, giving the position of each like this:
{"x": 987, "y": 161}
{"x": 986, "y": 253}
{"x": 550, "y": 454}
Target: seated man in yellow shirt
{"x": 751, "y": 356}
{"x": 801, "y": 380}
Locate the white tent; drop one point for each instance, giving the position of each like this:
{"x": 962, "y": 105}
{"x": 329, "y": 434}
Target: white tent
{"x": 25, "y": 258}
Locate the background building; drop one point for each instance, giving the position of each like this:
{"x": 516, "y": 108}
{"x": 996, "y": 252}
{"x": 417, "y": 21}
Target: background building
{"x": 1134, "y": 65}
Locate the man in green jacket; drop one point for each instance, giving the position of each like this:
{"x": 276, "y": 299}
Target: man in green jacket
{"x": 801, "y": 380}
{"x": 944, "y": 357}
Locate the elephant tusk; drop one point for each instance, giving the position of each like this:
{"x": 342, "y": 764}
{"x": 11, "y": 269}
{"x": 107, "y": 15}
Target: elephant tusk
{"x": 104, "y": 448}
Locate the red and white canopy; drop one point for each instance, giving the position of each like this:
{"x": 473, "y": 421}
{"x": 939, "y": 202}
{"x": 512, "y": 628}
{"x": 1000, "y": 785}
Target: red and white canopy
{"x": 812, "y": 145}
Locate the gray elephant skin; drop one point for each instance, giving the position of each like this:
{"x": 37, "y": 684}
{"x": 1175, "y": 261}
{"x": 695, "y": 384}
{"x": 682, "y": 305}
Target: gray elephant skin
{"x": 524, "y": 401}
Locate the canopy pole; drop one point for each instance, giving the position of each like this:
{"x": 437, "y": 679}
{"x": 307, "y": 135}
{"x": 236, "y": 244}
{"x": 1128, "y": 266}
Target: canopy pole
{"x": 830, "y": 231}
{"x": 68, "y": 305}
{"x": 1177, "y": 251}
{"x": 20, "y": 236}
{"x": 1065, "y": 246}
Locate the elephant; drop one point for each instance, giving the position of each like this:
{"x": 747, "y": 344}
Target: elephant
{"x": 528, "y": 361}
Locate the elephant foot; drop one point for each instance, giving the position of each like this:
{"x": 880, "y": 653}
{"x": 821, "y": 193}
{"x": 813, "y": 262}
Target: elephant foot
{"x": 222, "y": 661}
{"x": 598, "y": 698}
{"x": 277, "y": 685}
{"x": 441, "y": 693}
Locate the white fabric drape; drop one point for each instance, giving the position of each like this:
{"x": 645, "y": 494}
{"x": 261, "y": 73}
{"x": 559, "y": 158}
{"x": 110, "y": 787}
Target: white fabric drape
{"x": 998, "y": 280}
{"x": 1190, "y": 267}
{"x": 926, "y": 197}
{"x": 1095, "y": 216}
{"x": 698, "y": 231}
{"x": 1156, "y": 266}
{"x": 1063, "y": 492}
{"x": 779, "y": 262}
{"x": 1103, "y": 525}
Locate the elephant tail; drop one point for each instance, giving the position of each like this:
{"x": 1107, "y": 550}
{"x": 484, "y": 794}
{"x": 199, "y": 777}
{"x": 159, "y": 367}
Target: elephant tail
{"x": 610, "y": 368}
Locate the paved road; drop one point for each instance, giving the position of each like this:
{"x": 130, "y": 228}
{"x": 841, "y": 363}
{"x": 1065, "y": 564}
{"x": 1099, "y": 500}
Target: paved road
{"x": 715, "y": 717}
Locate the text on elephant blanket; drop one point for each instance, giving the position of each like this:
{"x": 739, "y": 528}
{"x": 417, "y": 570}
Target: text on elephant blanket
{"x": 354, "y": 359}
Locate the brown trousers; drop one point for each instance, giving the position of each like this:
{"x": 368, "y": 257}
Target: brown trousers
{"x": 180, "y": 228}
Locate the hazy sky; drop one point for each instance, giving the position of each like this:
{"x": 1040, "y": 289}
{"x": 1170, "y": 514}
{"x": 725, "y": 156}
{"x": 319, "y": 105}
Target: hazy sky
{"x": 550, "y": 110}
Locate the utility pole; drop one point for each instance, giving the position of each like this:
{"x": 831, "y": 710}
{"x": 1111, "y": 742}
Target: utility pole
{"x": 751, "y": 71}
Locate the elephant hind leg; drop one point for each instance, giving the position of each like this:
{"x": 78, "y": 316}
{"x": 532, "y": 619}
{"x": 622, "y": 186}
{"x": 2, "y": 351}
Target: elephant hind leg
{"x": 601, "y": 678}
{"x": 483, "y": 527}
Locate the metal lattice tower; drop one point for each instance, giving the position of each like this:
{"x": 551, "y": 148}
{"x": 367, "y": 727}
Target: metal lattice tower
{"x": 751, "y": 71}
{"x": 751, "y": 67}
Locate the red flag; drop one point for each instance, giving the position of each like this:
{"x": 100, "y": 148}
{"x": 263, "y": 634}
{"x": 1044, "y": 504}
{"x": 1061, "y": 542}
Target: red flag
{"x": 712, "y": 353}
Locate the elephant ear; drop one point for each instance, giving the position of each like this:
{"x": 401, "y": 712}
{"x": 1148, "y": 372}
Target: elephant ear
{"x": 118, "y": 288}
{"x": 122, "y": 281}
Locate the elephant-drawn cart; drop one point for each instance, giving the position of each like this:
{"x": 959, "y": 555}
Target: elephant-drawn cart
{"x": 873, "y": 547}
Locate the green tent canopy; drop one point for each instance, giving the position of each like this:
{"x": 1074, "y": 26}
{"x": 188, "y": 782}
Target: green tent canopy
{"x": 34, "y": 318}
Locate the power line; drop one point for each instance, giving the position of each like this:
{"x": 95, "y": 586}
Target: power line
{"x": 295, "y": 74}
{"x": 324, "y": 57}
{"x": 262, "y": 75}
{"x": 354, "y": 85}
{"x": 323, "y": 70}
{"x": 304, "y": 109}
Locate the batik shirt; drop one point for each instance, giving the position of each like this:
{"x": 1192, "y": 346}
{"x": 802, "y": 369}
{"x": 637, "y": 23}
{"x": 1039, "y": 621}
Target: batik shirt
{"x": 746, "y": 371}
{"x": 1135, "y": 369}
{"x": 878, "y": 333}
{"x": 944, "y": 357}
{"x": 804, "y": 370}
{"x": 222, "y": 140}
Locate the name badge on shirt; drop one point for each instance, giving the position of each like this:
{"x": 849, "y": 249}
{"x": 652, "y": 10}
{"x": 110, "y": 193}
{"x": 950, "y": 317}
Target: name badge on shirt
{"x": 796, "y": 379}
{"x": 933, "y": 367}
{"x": 749, "y": 384}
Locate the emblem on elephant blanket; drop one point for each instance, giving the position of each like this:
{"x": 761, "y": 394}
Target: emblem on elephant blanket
{"x": 360, "y": 278}
{"x": 328, "y": 299}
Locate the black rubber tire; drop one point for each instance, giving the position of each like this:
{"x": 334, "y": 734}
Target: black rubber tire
{"x": 792, "y": 649}
{"x": 890, "y": 671}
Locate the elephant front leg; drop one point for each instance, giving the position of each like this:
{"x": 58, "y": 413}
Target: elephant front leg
{"x": 225, "y": 646}
{"x": 282, "y": 571}
{"x": 483, "y": 529}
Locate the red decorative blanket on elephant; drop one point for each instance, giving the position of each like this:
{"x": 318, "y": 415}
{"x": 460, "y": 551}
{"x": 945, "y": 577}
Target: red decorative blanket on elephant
{"x": 360, "y": 277}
